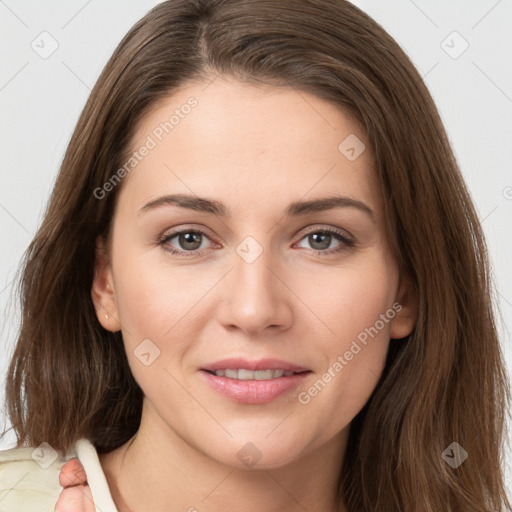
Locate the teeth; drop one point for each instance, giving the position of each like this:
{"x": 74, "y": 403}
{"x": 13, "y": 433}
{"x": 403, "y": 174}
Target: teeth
{"x": 243, "y": 374}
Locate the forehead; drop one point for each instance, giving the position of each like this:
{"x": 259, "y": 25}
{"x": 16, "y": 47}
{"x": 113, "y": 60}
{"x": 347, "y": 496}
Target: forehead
{"x": 250, "y": 144}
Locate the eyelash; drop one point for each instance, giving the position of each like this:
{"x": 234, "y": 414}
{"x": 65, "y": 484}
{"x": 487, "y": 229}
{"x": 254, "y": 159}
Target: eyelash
{"x": 347, "y": 243}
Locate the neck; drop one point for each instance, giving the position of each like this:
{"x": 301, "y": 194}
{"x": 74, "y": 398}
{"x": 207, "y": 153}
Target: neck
{"x": 157, "y": 469}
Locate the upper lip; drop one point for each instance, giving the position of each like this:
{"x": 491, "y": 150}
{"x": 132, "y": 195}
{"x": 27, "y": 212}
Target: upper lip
{"x": 260, "y": 364}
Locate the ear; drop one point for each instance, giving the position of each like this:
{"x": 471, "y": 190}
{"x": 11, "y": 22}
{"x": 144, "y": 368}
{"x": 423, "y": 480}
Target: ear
{"x": 406, "y": 308}
{"x": 102, "y": 291}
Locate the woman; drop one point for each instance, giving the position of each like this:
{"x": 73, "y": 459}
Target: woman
{"x": 200, "y": 345}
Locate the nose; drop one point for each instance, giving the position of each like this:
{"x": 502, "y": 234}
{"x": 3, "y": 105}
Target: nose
{"x": 256, "y": 298}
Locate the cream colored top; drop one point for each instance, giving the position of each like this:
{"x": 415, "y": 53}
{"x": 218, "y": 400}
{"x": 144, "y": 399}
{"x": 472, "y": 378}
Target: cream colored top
{"x": 29, "y": 477}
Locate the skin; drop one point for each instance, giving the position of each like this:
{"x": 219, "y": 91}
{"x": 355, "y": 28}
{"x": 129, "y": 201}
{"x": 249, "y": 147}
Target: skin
{"x": 256, "y": 149}
{"x": 76, "y": 495}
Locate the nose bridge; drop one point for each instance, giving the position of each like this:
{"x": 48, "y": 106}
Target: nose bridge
{"x": 256, "y": 298}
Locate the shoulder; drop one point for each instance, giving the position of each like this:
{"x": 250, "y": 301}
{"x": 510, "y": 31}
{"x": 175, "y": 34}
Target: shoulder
{"x": 29, "y": 478}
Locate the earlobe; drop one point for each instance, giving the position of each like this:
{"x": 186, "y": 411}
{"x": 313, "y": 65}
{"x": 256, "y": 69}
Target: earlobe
{"x": 102, "y": 290}
{"x": 406, "y": 309}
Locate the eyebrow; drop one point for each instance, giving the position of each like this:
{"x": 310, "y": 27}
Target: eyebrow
{"x": 202, "y": 204}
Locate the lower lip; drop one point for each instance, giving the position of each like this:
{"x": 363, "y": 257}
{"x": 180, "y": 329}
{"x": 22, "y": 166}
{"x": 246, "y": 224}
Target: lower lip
{"x": 254, "y": 391}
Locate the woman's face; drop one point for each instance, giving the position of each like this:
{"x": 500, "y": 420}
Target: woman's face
{"x": 274, "y": 250}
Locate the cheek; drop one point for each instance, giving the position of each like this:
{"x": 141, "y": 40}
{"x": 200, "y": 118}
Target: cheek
{"x": 349, "y": 299}
{"x": 152, "y": 296}
{"x": 161, "y": 302}
{"x": 358, "y": 311}
{"x": 155, "y": 305}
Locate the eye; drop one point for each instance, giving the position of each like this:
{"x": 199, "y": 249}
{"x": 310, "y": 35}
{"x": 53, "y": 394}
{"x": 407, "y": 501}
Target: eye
{"x": 321, "y": 239}
{"x": 189, "y": 242}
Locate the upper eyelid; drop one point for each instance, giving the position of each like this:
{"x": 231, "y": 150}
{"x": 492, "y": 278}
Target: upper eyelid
{"x": 205, "y": 230}
{"x": 331, "y": 229}
{"x": 186, "y": 229}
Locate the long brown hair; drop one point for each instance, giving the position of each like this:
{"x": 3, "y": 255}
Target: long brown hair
{"x": 446, "y": 382}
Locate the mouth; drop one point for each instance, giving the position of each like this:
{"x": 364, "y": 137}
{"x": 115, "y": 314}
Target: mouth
{"x": 244, "y": 365}
{"x": 245, "y": 374}
{"x": 255, "y": 382}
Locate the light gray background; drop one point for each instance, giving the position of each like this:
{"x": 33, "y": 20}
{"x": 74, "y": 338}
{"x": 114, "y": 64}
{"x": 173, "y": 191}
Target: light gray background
{"x": 41, "y": 98}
